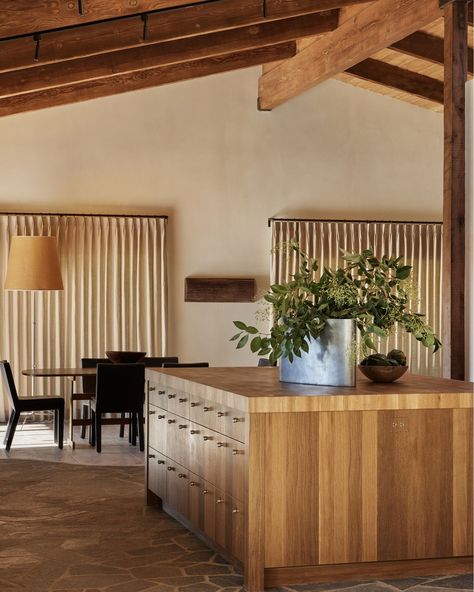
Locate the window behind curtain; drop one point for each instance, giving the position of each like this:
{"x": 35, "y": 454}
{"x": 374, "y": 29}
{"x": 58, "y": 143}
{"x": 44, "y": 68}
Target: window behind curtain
{"x": 115, "y": 294}
{"x": 419, "y": 243}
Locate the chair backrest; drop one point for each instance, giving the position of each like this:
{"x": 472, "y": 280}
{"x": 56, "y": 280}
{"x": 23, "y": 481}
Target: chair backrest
{"x": 9, "y": 383}
{"x": 160, "y": 361}
{"x": 88, "y": 382}
{"x": 190, "y": 365}
{"x": 120, "y": 387}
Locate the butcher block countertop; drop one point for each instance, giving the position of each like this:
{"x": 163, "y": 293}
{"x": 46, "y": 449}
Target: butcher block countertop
{"x": 259, "y": 390}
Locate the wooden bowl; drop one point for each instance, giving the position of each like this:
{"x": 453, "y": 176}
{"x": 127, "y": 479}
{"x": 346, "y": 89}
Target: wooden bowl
{"x": 125, "y": 357}
{"x": 383, "y": 373}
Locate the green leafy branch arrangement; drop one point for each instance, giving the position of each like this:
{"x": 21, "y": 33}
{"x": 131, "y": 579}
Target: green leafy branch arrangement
{"x": 368, "y": 289}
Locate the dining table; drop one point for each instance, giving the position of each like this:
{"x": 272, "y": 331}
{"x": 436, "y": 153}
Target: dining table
{"x": 72, "y": 374}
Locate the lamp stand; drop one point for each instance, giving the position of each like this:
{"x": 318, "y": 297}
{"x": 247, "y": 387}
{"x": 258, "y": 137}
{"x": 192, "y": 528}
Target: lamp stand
{"x": 33, "y": 339}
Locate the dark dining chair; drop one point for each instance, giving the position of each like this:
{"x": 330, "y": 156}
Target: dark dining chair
{"x": 88, "y": 389}
{"x": 187, "y": 365}
{"x": 120, "y": 388}
{"x": 30, "y": 404}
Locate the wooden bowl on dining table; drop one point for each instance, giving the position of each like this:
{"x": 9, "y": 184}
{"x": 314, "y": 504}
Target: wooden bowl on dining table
{"x": 125, "y": 357}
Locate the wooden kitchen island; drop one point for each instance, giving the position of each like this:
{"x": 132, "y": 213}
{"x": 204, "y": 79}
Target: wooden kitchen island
{"x": 303, "y": 484}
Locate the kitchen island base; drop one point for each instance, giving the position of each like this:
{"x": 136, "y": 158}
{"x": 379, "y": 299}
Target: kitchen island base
{"x": 302, "y": 484}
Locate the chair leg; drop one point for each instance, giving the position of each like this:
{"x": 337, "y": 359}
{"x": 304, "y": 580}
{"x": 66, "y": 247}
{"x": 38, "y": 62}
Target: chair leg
{"x": 133, "y": 428}
{"x": 12, "y": 423}
{"x": 130, "y": 428}
{"x": 55, "y": 424}
{"x": 60, "y": 428}
{"x": 141, "y": 432}
{"x": 122, "y": 426}
{"x": 98, "y": 432}
{"x": 92, "y": 430}
{"x": 85, "y": 415}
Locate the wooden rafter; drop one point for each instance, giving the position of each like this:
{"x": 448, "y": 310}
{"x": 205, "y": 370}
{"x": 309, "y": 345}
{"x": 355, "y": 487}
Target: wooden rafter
{"x": 144, "y": 79}
{"x": 375, "y": 27}
{"x": 454, "y": 210}
{"x": 19, "y": 17}
{"x": 399, "y": 79}
{"x": 195, "y": 20}
{"x": 426, "y": 47}
{"x": 161, "y": 54}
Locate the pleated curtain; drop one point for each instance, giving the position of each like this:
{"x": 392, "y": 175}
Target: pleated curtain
{"x": 419, "y": 243}
{"x": 115, "y": 295}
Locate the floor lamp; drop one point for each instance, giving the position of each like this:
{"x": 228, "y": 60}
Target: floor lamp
{"x": 33, "y": 265}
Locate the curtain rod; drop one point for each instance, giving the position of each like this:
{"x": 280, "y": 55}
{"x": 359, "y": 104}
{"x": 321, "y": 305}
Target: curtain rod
{"x": 270, "y": 220}
{"x": 82, "y": 215}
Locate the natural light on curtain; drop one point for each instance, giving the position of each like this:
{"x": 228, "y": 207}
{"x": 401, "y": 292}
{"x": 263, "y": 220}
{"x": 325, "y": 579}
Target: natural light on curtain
{"x": 419, "y": 243}
{"x": 115, "y": 294}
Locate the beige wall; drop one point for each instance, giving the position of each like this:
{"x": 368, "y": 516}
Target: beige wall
{"x": 201, "y": 152}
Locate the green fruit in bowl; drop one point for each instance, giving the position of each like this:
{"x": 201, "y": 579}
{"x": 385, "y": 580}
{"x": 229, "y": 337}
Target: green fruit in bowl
{"x": 398, "y": 355}
{"x": 376, "y": 360}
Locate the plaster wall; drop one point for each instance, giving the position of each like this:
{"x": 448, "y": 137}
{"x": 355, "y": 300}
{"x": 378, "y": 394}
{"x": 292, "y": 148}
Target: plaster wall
{"x": 200, "y": 152}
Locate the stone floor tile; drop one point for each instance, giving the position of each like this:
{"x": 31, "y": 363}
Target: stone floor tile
{"x": 227, "y": 581}
{"x": 406, "y": 583}
{"x": 207, "y": 569}
{"x": 157, "y": 571}
{"x": 462, "y": 582}
{"x": 202, "y": 587}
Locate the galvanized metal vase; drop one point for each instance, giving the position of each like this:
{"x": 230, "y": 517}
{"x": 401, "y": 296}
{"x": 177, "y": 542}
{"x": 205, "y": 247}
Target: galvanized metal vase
{"x": 328, "y": 361}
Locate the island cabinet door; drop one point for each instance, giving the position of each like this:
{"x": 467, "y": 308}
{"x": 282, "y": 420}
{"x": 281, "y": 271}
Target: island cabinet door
{"x": 230, "y": 464}
{"x": 177, "y": 488}
{"x": 196, "y": 500}
{"x": 237, "y": 528}
{"x": 157, "y": 428}
{"x": 208, "y": 513}
{"x": 157, "y": 395}
{"x": 157, "y": 473}
{"x": 178, "y": 402}
{"x": 177, "y": 438}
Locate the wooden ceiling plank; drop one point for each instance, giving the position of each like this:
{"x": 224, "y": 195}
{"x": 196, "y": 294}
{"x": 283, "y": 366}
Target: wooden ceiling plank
{"x": 399, "y": 79}
{"x": 161, "y": 54}
{"x": 133, "y": 31}
{"x": 427, "y": 47}
{"x": 275, "y": 8}
{"x": 18, "y": 17}
{"x": 377, "y": 26}
{"x": 144, "y": 79}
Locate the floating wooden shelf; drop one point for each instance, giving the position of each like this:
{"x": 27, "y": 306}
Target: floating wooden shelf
{"x": 199, "y": 289}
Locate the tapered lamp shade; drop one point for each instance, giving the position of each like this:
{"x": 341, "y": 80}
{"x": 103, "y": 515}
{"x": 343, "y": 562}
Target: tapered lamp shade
{"x": 33, "y": 264}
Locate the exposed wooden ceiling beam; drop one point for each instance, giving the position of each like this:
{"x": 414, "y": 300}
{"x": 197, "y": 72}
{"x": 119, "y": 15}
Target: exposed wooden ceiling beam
{"x": 275, "y": 8}
{"x": 374, "y": 28}
{"x": 161, "y": 54}
{"x": 426, "y": 47}
{"x": 144, "y": 79}
{"x": 20, "y": 17}
{"x": 399, "y": 79}
{"x": 197, "y": 19}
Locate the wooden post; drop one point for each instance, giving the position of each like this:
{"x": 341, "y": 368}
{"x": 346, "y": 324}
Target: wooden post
{"x": 455, "y": 77}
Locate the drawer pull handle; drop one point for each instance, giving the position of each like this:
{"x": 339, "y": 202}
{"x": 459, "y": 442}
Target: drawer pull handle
{"x": 220, "y": 414}
{"x": 234, "y": 452}
{"x": 206, "y": 408}
{"x": 207, "y": 438}
{"x": 161, "y": 416}
{"x": 220, "y": 444}
{"x": 170, "y": 468}
{"x": 161, "y": 392}
{"x": 171, "y": 420}
{"x": 151, "y": 456}
{"x": 151, "y": 412}
{"x": 236, "y": 419}
{"x": 182, "y": 427}
{"x": 192, "y": 484}
{"x": 205, "y": 492}
{"x": 219, "y": 501}
{"x": 182, "y": 400}
{"x": 194, "y": 432}
{"x": 152, "y": 388}
{"x": 193, "y": 404}
{"x": 182, "y": 475}
{"x": 235, "y": 511}
{"x": 171, "y": 396}
{"x": 161, "y": 462}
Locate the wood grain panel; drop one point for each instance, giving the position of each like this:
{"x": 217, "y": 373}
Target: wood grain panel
{"x": 415, "y": 484}
{"x": 291, "y": 489}
{"x": 288, "y": 7}
{"x": 198, "y": 289}
{"x": 462, "y": 482}
{"x": 347, "y": 487}
{"x": 144, "y": 79}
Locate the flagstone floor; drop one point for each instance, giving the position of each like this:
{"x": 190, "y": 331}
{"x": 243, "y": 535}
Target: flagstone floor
{"x": 74, "y": 525}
